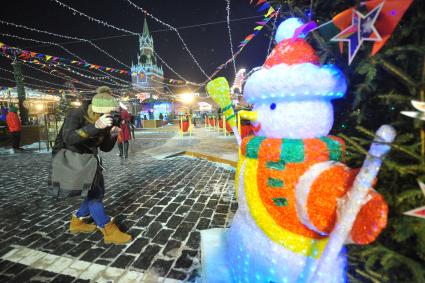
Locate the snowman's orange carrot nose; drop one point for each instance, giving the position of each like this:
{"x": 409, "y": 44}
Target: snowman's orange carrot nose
{"x": 249, "y": 115}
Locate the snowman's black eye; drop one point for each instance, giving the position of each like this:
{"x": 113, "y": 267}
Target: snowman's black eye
{"x": 273, "y": 106}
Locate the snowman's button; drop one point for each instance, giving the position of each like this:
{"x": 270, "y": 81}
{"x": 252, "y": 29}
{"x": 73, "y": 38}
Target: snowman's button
{"x": 275, "y": 183}
{"x": 280, "y": 201}
{"x": 280, "y": 165}
{"x": 334, "y": 148}
{"x": 253, "y": 147}
{"x": 292, "y": 150}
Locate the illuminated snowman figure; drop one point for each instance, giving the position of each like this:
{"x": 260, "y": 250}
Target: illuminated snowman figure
{"x": 290, "y": 179}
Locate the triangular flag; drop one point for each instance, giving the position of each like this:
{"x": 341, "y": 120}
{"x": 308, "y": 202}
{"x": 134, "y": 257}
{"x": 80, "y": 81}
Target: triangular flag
{"x": 269, "y": 12}
{"x": 260, "y": 2}
{"x": 48, "y": 57}
{"x": 262, "y": 23}
{"x": 390, "y": 16}
{"x": 274, "y": 14}
{"x": 33, "y": 54}
{"x": 417, "y": 212}
{"x": 264, "y": 7}
{"x": 249, "y": 37}
{"x": 258, "y": 27}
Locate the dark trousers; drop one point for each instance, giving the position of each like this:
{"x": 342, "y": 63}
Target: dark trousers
{"x": 16, "y": 139}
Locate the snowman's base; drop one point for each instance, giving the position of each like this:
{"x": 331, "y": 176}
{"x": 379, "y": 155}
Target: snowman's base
{"x": 213, "y": 256}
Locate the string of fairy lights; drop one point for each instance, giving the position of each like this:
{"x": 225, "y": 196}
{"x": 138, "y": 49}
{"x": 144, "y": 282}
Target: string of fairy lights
{"x": 66, "y": 37}
{"x": 104, "y": 23}
{"x": 273, "y": 32}
{"x": 97, "y": 47}
{"x": 170, "y": 27}
{"x": 32, "y": 78}
{"x": 55, "y": 44}
{"x": 56, "y": 73}
{"x": 113, "y": 79}
{"x": 230, "y": 34}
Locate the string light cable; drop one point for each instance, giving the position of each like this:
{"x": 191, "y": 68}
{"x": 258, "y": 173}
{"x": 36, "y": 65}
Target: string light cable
{"x": 42, "y": 87}
{"x": 62, "y": 76}
{"x": 230, "y": 34}
{"x": 170, "y": 27}
{"x": 158, "y": 30}
{"x": 65, "y": 49}
{"x": 116, "y": 28}
{"x": 50, "y": 65}
{"x": 273, "y": 31}
{"x": 66, "y": 37}
{"x": 32, "y": 78}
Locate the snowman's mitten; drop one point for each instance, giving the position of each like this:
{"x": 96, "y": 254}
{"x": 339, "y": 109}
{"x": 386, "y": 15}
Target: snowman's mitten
{"x": 320, "y": 194}
{"x": 370, "y": 221}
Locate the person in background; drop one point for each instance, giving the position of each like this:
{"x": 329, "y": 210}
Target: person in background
{"x": 132, "y": 125}
{"x": 14, "y": 126}
{"x": 161, "y": 117}
{"x": 85, "y": 130}
{"x": 138, "y": 121}
{"x": 3, "y": 113}
{"x": 124, "y": 133}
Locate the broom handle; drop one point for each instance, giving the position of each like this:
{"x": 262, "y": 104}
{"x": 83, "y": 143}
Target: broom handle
{"x": 356, "y": 197}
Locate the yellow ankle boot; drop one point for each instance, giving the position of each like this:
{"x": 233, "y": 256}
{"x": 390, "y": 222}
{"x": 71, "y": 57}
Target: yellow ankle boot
{"x": 113, "y": 235}
{"x": 78, "y": 226}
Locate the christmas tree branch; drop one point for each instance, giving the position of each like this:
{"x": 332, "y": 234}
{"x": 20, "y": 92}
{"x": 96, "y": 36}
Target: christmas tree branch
{"x": 406, "y": 79}
{"x": 394, "y": 145}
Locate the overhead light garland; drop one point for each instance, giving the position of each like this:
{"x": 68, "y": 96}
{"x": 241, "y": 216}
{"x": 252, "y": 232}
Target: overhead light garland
{"x": 230, "y": 34}
{"x": 67, "y": 37}
{"x": 62, "y": 76}
{"x": 32, "y": 78}
{"x": 170, "y": 27}
{"x": 124, "y": 30}
{"x": 29, "y": 55}
{"x": 63, "y": 48}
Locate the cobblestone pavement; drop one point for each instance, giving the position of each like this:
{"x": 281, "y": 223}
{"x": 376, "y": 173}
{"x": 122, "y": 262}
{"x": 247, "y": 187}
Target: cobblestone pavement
{"x": 163, "y": 204}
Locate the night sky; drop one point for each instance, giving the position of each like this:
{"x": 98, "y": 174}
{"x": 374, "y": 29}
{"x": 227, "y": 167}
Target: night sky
{"x": 209, "y": 43}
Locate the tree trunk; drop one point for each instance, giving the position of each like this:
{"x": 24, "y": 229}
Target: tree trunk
{"x": 17, "y": 72}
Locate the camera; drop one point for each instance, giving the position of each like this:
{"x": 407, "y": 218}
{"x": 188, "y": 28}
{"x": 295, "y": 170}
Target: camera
{"x": 116, "y": 118}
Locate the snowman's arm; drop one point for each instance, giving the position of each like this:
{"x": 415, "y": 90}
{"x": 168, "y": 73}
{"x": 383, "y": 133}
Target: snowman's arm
{"x": 321, "y": 191}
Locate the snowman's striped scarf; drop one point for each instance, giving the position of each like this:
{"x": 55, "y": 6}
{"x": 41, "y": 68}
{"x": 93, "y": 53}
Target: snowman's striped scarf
{"x": 283, "y": 151}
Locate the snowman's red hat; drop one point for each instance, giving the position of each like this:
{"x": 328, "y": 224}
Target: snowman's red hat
{"x": 292, "y": 51}
{"x": 292, "y": 70}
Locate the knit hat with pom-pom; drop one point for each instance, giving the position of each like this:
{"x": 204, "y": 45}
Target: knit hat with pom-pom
{"x": 103, "y": 102}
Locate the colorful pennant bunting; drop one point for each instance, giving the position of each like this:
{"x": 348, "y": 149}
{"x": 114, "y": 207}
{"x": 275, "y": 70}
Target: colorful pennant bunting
{"x": 271, "y": 13}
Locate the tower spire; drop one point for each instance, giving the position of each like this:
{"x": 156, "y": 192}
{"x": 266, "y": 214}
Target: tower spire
{"x": 145, "y": 28}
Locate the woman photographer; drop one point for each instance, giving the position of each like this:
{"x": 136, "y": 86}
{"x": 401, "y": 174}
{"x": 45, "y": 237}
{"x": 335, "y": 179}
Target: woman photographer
{"x": 84, "y": 131}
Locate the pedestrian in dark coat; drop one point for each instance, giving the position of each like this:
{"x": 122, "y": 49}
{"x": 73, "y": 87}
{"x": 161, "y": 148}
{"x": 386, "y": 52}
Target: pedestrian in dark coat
{"x": 85, "y": 130}
{"x": 124, "y": 133}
